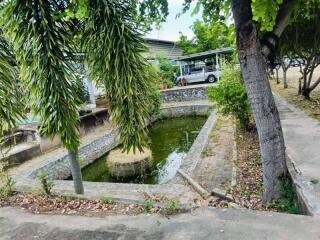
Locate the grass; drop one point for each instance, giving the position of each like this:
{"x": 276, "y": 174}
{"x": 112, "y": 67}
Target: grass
{"x": 107, "y": 200}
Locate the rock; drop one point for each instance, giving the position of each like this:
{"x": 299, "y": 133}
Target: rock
{"x": 124, "y": 165}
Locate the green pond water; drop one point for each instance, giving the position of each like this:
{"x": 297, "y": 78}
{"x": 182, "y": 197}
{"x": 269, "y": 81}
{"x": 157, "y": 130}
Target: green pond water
{"x": 170, "y": 142}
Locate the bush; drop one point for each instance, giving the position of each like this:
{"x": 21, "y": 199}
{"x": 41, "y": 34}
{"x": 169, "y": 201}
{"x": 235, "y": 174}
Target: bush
{"x": 230, "y": 95}
{"x": 166, "y": 72}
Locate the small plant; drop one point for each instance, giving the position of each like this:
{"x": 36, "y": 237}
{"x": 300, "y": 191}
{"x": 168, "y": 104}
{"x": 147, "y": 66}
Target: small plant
{"x": 107, "y": 200}
{"x": 7, "y": 189}
{"x": 288, "y": 201}
{"x": 147, "y": 206}
{"x": 46, "y": 183}
{"x": 172, "y": 207}
{"x": 6, "y": 183}
{"x": 230, "y": 95}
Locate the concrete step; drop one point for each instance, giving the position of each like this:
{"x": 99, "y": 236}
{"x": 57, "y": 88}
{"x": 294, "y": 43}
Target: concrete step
{"x": 201, "y": 224}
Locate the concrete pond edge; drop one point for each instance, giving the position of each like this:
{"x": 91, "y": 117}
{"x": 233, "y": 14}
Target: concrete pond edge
{"x": 58, "y": 166}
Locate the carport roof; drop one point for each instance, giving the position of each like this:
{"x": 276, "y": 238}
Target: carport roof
{"x": 204, "y": 55}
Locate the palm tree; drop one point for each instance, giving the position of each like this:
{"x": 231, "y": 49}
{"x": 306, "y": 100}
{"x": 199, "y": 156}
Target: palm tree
{"x": 43, "y": 38}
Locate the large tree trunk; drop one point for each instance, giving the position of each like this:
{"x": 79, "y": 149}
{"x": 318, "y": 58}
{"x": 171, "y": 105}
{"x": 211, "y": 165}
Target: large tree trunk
{"x": 260, "y": 96}
{"x": 277, "y": 75}
{"x": 76, "y": 172}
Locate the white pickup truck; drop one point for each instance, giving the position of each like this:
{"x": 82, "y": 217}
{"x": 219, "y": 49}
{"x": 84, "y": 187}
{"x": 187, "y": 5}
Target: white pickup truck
{"x": 198, "y": 75}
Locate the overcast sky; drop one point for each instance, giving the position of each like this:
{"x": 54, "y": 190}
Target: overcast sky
{"x": 171, "y": 28}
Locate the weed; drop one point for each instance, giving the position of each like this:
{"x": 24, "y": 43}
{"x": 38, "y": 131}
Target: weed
{"x": 6, "y": 183}
{"x": 7, "y": 189}
{"x": 172, "y": 207}
{"x": 147, "y": 206}
{"x": 107, "y": 200}
{"x": 46, "y": 183}
{"x": 288, "y": 201}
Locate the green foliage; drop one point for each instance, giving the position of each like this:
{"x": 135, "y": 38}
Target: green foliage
{"x": 115, "y": 48}
{"x": 166, "y": 70}
{"x": 172, "y": 207}
{"x": 148, "y": 205}
{"x": 265, "y": 12}
{"x": 288, "y": 202}
{"x": 301, "y": 38}
{"x": 11, "y": 99}
{"x": 6, "y": 186}
{"x": 208, "y": 36}
{"x": 46, "y": 183}
{"x": 230, "y": 95}
{"x": 107, "y": 200}
{"x": 81, "y": 90}
{"x": 42, "y": 45}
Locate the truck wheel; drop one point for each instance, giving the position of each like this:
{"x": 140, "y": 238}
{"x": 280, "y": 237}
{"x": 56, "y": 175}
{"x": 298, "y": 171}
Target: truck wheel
{"x": 212, "y": 79}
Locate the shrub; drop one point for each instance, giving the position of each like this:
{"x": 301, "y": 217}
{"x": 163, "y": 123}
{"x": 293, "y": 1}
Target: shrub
{"x": 230, "y": 95}
{"x": 166, "y": 71}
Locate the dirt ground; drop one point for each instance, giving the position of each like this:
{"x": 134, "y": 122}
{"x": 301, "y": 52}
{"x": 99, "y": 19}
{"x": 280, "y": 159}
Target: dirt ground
{"x": 312, "y": 106}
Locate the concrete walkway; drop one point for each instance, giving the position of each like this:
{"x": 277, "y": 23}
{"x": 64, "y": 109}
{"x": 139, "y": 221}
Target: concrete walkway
{"x": 202, "y": 224}
{"x": 302, "y": 139}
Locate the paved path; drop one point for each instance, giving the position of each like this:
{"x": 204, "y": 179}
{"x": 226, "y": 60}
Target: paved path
{"x": 202, "y": 224}
{"x": 215, "y": 169}
{"x": 302, "y": 139}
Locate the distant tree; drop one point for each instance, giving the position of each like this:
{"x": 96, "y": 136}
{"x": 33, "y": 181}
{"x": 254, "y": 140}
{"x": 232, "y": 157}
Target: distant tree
{"x": 208, "y": 36}
{"x": 301, "y": 42}
{"x": 166, "y": 71}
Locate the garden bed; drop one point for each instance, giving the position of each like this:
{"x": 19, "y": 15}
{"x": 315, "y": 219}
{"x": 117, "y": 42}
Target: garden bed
{"x": 248, "y": 191}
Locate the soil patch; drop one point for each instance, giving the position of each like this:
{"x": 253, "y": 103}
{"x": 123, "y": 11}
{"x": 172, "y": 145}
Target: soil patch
{"x": 43, "y": 204}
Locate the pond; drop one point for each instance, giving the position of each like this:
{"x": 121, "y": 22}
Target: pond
{"x": 171, "y": 139}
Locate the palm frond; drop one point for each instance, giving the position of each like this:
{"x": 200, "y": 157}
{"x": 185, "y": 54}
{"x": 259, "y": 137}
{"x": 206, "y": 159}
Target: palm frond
{"x": 11, "y": 103}
{"x": 115, "y": 50}
{"x": 41, "y": 40}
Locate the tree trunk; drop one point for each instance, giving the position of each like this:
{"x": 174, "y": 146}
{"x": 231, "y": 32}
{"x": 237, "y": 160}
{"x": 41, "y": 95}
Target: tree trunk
{"x": 306, "y": 93}
{"x": 277, "y": 75}
{"x": 285, "y": 83}
{"x": 300, "y": 86}
{"x": 260, "y": 96}
{"x": 76, "y": 172}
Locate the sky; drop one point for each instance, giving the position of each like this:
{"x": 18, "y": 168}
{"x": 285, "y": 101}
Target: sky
{"x": 171, "y": 28}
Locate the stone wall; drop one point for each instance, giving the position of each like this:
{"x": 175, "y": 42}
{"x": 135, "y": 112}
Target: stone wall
{"x": 185, "y": 94}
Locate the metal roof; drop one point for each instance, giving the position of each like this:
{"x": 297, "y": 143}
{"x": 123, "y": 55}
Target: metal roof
{"x": 159, "y": 40}
{"x": 204, "y": 55}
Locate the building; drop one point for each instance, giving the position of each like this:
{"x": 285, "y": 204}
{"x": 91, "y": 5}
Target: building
{"x": 165, "y": 48}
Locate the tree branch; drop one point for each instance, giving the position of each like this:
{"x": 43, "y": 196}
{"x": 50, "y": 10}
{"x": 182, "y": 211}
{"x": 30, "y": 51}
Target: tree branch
{"x": 315, "y": 84}
{"x": 282, "y": 21}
